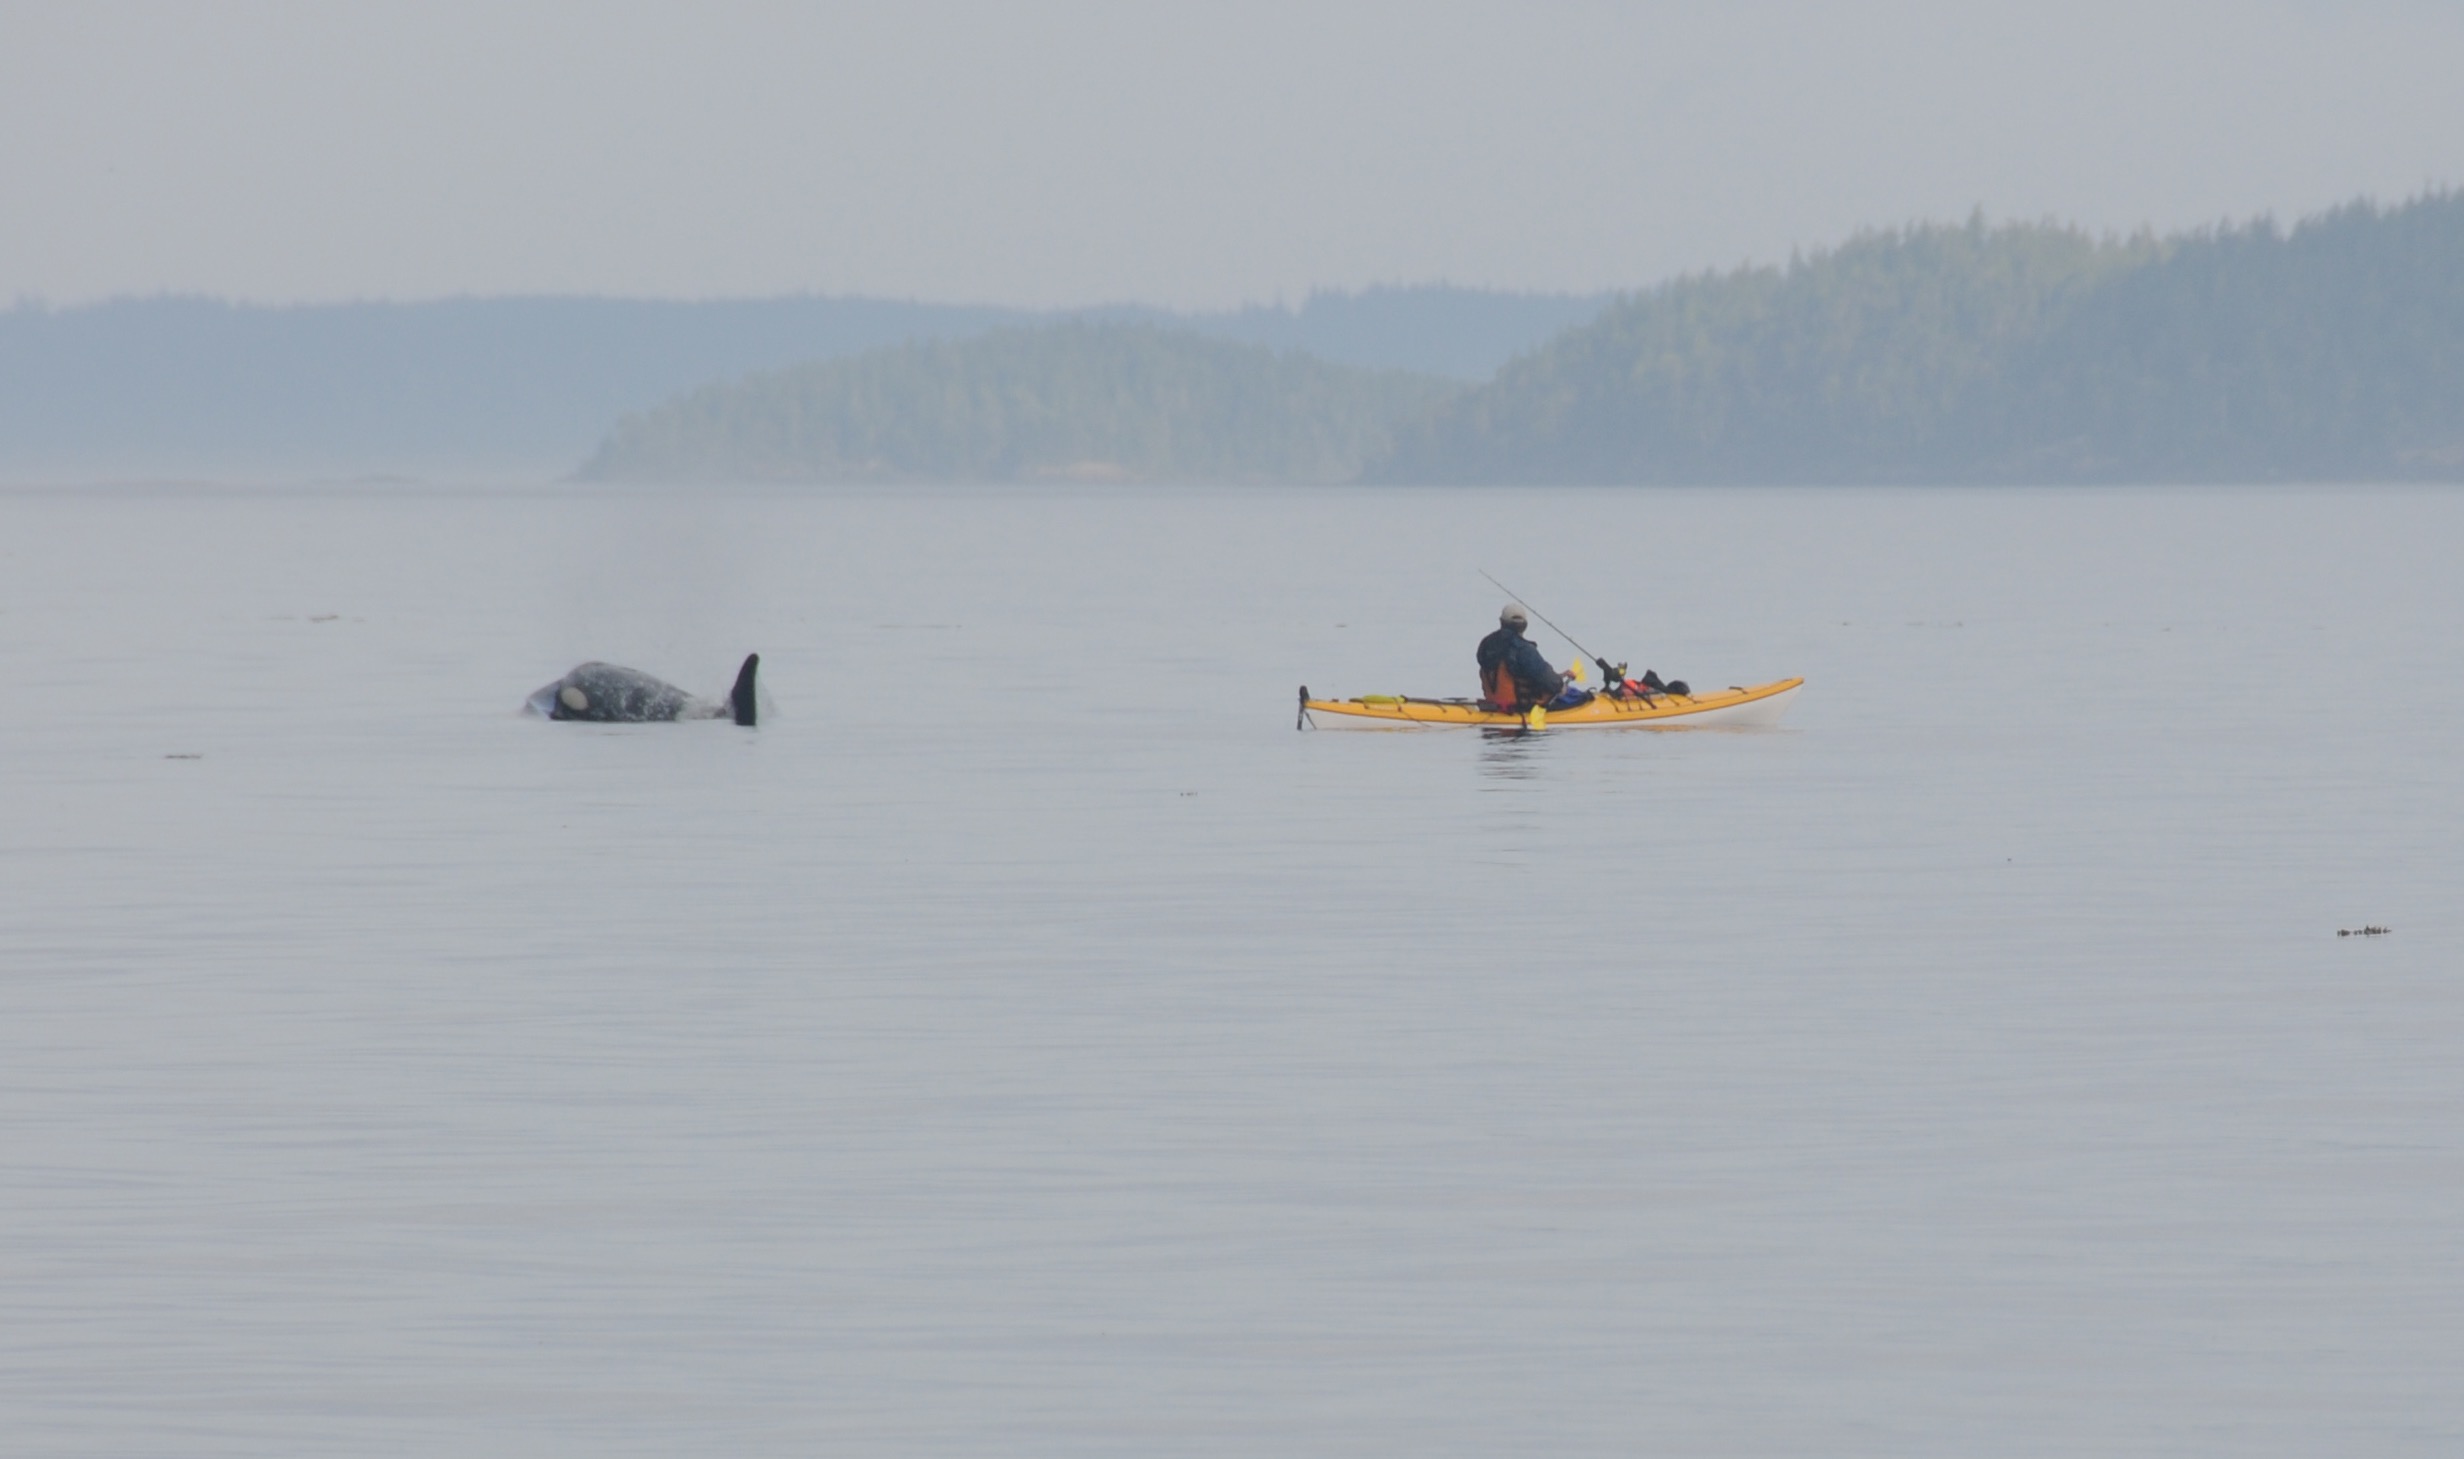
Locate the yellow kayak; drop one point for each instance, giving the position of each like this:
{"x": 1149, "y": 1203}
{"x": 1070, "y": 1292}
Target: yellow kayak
{"x": 1737, "y": 705}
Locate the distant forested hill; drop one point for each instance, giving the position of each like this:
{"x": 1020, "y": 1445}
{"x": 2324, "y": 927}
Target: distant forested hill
{"x": 2030, "y": 352}
{"x": 1070, "y": 400}
{"x": 197, "y": 386}
{"x": 180, "y": 385}
{"x": 1432, "y": 329}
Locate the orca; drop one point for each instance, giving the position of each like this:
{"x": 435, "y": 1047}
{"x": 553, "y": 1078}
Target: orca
{"x": 611, "y": 694}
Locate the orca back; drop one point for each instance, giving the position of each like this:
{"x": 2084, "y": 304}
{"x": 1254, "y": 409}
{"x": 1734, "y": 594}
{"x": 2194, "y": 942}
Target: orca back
{"x": 612, "y": 694}
{"x": 598, "y": 693}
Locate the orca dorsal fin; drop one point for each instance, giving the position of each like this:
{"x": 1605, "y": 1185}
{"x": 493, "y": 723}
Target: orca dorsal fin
{"x": 740, "y": 698}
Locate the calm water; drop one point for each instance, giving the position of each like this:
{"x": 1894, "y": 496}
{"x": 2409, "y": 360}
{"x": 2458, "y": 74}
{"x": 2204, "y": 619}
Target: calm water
{"x": 1026, "y": 1043}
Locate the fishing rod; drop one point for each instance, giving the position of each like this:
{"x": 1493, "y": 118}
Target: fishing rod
{"x": 1606, "y": 670}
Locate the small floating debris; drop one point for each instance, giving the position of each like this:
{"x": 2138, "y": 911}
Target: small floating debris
{"x": 183, "y": 757}
{"x": 2373, "y": 930}
{"x": 323, "y": 617}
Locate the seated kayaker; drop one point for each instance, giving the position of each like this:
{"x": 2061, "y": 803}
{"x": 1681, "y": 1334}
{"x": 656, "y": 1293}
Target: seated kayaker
{"x": 1513, "y": 672}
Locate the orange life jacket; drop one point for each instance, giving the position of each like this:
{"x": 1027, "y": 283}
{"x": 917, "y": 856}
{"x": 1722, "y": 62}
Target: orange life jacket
{"x": 1497, "y": 685}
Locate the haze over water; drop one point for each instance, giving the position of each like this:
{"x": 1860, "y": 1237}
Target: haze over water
{"x": 1027, "y": 1043}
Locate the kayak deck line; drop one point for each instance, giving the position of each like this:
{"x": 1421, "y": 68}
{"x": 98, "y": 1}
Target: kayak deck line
{"x": 1736, "y": 705}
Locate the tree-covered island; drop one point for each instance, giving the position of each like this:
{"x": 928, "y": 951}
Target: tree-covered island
{"x": 1072, "y": 400}
{"x": 2024, "y": 352}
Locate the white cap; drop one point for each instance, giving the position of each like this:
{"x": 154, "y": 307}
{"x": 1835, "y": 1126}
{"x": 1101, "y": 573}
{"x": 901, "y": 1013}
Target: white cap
{"x": 1513, "y": 613}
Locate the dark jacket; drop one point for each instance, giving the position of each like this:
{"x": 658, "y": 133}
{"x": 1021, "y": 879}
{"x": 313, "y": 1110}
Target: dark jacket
{"x": 1534, "y": 681}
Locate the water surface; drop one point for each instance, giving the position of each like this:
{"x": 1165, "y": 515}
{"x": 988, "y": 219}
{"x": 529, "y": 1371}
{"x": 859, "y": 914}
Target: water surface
{"x": 1027, "y": 1043}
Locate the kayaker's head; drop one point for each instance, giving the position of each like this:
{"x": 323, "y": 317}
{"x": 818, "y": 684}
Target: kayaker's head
{"x": 1512, "y": 616}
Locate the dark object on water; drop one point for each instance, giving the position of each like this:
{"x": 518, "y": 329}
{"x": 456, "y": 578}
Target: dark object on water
{"x": 609, "y": 694}
{"x": 2373, "y": 930}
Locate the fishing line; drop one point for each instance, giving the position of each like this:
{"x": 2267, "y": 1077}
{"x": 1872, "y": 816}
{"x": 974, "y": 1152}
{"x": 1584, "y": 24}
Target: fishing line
{"x": 1543, "y": 617}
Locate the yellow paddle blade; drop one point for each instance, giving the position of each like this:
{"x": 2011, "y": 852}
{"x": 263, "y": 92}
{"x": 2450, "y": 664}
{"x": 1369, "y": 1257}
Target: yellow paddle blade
{"x": 1538, "y": 718}
{"x": 1579, "y": 671}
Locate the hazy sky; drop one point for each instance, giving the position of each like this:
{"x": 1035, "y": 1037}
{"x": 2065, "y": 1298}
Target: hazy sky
{"x": 1173, "y": 153}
